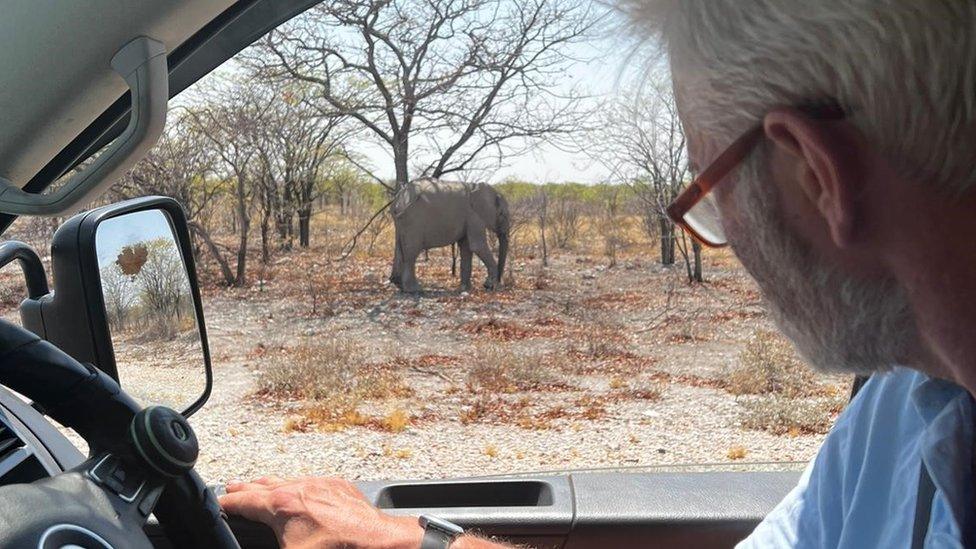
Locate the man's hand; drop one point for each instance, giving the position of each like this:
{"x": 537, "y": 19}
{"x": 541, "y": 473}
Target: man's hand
{"x": 322, "y": 513}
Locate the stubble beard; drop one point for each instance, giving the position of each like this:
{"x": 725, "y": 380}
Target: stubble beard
{"x": 837, "y": 322}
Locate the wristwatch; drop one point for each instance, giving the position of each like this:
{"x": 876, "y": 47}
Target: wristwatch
{"x": 438, "y": 533}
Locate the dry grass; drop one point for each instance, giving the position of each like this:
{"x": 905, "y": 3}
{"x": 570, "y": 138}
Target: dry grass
{"x": 381, "y": 384}
{"x": 331, "y": 370}
{"x": 497, "y": 369}
{"x": 396, "y": 421}
{"x": 770, "y": 366}
{"x": 646, "y": 390}
{"x": 325, "y": 370}
{"x": 788, "y": 416}
{"x": 331, "y": 378}
{"x": 737, "y": 452}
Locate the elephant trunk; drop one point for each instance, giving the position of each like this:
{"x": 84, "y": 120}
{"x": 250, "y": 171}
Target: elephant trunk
{"x": 502, "y": 253}
{"x": 503, "y": 223}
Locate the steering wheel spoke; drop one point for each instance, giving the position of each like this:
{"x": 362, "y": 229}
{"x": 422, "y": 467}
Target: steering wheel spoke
{"x": 128, "y": 482}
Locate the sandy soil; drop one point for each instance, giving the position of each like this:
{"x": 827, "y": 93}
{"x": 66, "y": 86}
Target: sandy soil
{"x": 655, "y": 328}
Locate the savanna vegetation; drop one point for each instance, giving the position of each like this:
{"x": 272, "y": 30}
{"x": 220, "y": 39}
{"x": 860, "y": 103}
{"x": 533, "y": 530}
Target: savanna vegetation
{"x": 614, "y": 340}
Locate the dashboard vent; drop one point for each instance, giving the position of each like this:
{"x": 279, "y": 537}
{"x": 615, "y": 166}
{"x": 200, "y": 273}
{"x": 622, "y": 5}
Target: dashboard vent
{"x": 9, "y": 441}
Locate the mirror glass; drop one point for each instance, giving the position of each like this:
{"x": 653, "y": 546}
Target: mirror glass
{"x": 150, "y": 310}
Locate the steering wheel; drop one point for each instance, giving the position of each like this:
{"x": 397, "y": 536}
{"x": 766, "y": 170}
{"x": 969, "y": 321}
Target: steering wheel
{"x": 141, "y": 462}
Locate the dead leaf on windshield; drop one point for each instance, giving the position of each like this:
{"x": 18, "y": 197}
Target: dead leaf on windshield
{"x": 132, "y": 258}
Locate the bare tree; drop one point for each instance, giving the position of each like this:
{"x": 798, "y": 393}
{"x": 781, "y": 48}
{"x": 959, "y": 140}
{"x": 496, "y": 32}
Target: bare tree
{"x": 643, "y": 143}
{"x": 610, "y": 222}
{"x": 164, "y": 288}
{"x": 120, "y": 296}
{"x": 181, "y": 165}
{"x": 297, "y": 148}
{"x": 543, "y": 216}
{"x": 565, "y": 214}
{"x": 230, "y": 125}
{"x": 441, "y": 84}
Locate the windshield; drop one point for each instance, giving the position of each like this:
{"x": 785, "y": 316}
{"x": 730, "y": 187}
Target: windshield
{"x": 368, "y": 325}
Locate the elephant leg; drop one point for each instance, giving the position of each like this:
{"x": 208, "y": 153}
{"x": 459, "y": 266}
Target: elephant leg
{"x": 409, "y": 271}
{"x": 479, "y": 246}
{"x": 465, "y": 264}
{"x": 396, "y": 273}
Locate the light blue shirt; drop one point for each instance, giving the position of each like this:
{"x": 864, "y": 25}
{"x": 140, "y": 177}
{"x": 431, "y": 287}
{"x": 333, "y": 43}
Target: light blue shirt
{"x": 861, "y": 488}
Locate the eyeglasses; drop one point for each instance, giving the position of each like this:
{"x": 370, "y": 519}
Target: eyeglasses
{"x": 695, "y": 209}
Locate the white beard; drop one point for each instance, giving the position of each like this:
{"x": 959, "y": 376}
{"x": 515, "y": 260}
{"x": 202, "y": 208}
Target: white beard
{"x": 837, "y": 322}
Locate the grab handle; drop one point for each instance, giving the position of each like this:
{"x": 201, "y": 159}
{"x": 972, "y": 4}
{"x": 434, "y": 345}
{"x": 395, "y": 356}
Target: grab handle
{"x": 142, "y": 63}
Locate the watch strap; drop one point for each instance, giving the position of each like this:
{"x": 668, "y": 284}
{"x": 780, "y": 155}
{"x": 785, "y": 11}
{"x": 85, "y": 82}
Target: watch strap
{"x": 438, "y": 533}
{"x": 436, "y": 539}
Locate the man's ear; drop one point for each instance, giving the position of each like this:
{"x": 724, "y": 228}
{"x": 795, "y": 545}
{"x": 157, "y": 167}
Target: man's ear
{"x": 826, "y": 171}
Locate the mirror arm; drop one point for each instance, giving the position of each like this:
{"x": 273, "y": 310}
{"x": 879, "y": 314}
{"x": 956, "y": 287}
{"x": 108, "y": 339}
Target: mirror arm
{"x": 30, "y": 263}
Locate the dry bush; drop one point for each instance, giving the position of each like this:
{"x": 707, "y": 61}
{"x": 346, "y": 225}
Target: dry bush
{"x": 333, "y": 370}
{"x": 540, "y": 279}
{"x": 565, "y": 219}
{"x": 500, "y": 329}
{"x": 769, "y": 365}
{"x": 396, "y": 421}
{"x": 381, "y": 384}
{"x": 327, "y": 417}
{"x": 499, "y": 370}
{"x": 646, "y": 390}
{"x": 789, "y": 416}
{"x": 736, "y": 452}
{"x": 326, "y": 370}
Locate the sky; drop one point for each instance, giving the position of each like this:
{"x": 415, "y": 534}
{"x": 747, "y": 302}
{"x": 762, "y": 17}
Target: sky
{"x": 607, "y": 66}
{"x": 603, "y": 76}
{"x": 118, "y": 232}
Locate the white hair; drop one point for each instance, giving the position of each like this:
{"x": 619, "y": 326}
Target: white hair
{"x": 903, "y": 70}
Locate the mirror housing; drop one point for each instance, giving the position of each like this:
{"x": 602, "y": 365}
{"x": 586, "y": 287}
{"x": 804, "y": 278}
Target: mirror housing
{"x": 73, "y": 316}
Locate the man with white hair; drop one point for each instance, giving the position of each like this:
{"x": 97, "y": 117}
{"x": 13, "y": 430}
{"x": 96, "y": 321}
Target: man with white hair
{"x": 833, "y": 144}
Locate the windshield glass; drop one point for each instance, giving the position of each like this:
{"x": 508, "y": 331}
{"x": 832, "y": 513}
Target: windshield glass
{"x": 528, "y": 307}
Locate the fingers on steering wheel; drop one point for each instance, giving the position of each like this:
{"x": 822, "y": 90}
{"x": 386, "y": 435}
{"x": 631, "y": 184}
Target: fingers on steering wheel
{"x": 250, "y": 504}
{"x": 270, "y": 481}
{"x": 247, "y": 486}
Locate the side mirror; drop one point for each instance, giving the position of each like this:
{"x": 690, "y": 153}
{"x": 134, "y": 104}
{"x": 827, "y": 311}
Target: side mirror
{"x": 126, "y": 299}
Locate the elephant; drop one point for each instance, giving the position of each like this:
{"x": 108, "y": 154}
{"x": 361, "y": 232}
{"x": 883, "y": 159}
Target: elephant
{"x": 429, "y": 213}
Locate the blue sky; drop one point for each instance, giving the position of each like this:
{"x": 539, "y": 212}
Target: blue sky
{"x": 118, "y": 232}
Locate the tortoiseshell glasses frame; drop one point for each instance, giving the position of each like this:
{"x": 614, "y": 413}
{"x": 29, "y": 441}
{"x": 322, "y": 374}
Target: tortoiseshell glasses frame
{"x": 695, "y": 210}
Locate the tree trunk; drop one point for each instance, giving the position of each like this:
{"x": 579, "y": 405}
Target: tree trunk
{"x": 241, "y": 257}
{"x": 214, "y": 251}
{"x": 265, "y": 239}
{"x": 542, "y": 228}
{"x": 245, "y": 225}
{"x": 667, "y": 242}
{"x": 400, "y": 162}
{"x": 304, "y": 226}
{"x": 696, "y": 250}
